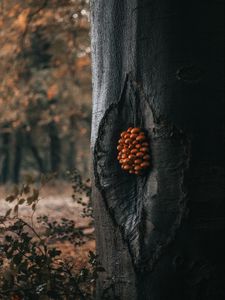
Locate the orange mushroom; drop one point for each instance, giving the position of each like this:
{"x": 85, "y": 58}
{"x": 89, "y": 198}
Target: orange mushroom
{"x": 133, "y": 151}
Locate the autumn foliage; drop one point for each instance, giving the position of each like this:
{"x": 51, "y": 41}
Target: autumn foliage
{"x": 45, "y": 90}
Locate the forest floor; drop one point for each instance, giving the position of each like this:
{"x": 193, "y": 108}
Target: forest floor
{"x": 56, "y": 202}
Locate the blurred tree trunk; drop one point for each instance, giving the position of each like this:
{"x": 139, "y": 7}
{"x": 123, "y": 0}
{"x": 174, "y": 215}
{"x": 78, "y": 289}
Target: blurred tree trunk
{"x": 159, "y": 65}
{"x": 35, "y": 153}
{"x": 6, "y": 157}
{"x": 71, "y": 151}
{"x": 55, "y": 147}
{"x": 19, "y": 140}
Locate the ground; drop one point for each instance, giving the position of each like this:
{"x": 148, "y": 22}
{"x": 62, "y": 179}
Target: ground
{"x": 56, "y": 202}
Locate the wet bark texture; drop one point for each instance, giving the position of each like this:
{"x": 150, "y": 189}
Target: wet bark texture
{"x": 159, "y": 65}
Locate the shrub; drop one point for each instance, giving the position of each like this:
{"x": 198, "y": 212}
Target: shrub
{"x": 31, "y": 267}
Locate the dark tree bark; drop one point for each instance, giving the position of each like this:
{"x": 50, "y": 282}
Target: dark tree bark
{"x": 18, "y": 154}
{"x": 55, "y": 147}
{"x": 35, "y": 153}
{"x": 71, "y": 150}
{"x": 159, "y": 65}
{"x": 6, "y": 157}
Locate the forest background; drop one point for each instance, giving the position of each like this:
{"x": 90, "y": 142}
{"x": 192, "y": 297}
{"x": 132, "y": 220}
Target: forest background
{"x": 45, "y": 92}
{"x": 45, "y": 120}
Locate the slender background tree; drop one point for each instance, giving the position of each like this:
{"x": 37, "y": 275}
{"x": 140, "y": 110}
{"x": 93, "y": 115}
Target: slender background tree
{"x": 159, "y": 65}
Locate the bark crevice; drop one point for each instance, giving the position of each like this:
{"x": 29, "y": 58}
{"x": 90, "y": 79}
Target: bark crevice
{"x": 132, "y": 201}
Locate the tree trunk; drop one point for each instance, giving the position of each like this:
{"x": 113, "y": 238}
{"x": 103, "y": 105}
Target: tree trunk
{"x": 17, "y": 155}
{"x": 159, "y": 65}
{"x": 6, "y": 157}
{"x": 35, "y": 153}
{"x": 55, "y": 147}
{"x": 71, "y": 151}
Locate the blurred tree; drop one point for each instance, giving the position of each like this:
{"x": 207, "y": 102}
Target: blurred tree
{"x": 45, "y": 55}
{"x": 5, "y": 154}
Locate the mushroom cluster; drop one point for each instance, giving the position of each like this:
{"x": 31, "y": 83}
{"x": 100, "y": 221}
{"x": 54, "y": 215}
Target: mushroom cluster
{"x": 133, "y": 151}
